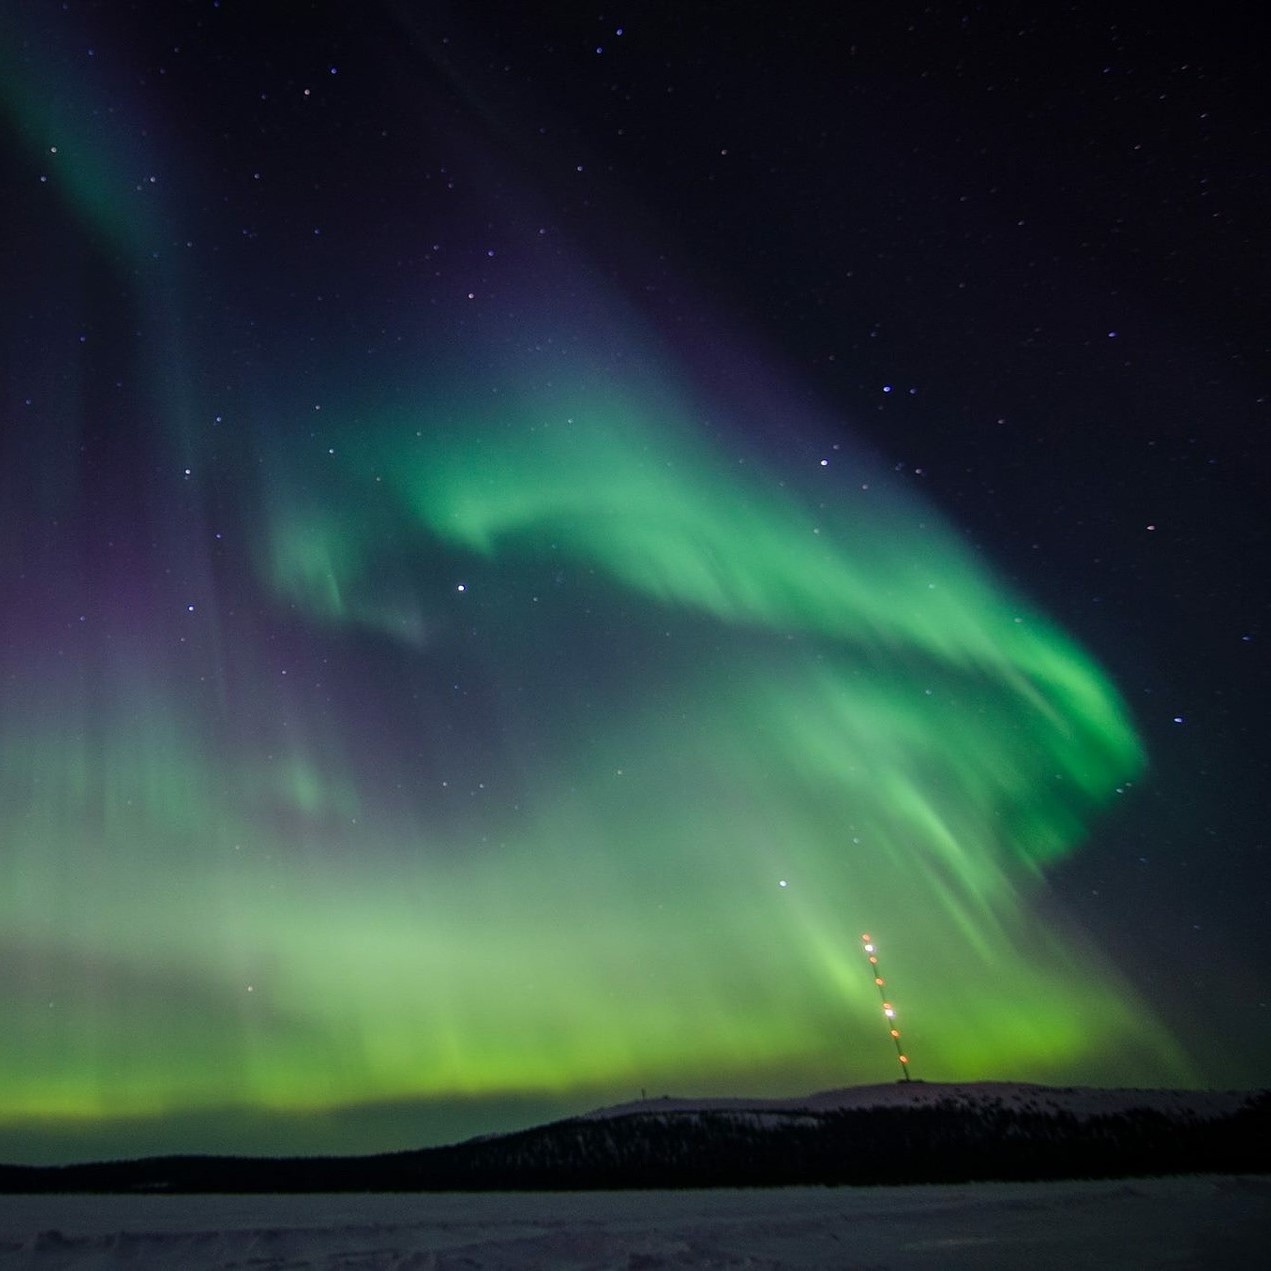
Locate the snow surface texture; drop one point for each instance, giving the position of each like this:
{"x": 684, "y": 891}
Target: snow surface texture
{"x": 1019, "y": 1096}
{"x": 1138, "y": 1223}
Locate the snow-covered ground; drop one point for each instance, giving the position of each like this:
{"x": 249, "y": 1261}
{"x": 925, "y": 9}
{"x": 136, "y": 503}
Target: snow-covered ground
{"x": 1138, "y": 1223}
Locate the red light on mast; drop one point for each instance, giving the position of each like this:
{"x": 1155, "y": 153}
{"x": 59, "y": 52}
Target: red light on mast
{"x": 889, "y": 1011}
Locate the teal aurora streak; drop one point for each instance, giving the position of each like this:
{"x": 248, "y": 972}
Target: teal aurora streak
{"x": 551, "y": 742}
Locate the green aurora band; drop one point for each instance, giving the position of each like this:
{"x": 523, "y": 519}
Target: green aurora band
{"x": 547, "y": 745}
{"x": 762, "y": 722}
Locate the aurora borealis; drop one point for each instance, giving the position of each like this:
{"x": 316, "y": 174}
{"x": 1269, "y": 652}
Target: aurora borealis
{"x": 443, "y": 686}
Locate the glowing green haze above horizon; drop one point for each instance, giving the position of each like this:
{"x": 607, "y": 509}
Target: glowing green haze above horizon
{"x": 610, "y": 816}
{"x": 507, "y": 729}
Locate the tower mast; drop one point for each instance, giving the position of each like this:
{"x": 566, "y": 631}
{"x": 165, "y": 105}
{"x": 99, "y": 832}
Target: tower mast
{"x": 889, "y": 1011}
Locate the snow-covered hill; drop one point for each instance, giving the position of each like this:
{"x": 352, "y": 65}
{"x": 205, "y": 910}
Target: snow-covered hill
{"x": 912, "y": 1132}
{"x": 1078, "y": 1101}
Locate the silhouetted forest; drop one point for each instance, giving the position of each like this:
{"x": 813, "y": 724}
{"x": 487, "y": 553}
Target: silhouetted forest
{"x": 946, "y": 1142}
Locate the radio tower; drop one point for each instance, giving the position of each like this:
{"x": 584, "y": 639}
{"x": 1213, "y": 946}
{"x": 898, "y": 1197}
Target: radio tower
{"x": 889, "y": 1011}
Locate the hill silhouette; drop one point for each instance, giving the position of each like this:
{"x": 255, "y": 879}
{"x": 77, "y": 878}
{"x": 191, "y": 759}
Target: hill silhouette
{"x": 912, "y": 1132}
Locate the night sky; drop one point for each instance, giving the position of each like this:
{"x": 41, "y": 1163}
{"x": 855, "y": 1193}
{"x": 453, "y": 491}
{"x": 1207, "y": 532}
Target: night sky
{"x": 523, "y": 536}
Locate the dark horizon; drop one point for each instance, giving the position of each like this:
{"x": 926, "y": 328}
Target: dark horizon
{"x": 384, "y": 1131}
{"x": 951, "y": 1134}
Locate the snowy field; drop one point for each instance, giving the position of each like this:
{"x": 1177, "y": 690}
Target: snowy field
{"x": 1138, "y": 1223}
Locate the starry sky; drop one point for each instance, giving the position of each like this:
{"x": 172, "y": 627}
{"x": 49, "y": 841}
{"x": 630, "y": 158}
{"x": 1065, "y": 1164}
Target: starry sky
{"x": 525, "y": 534}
